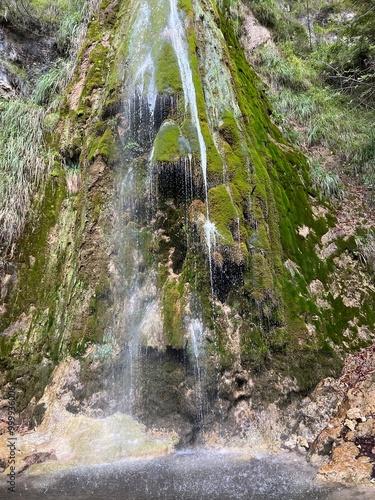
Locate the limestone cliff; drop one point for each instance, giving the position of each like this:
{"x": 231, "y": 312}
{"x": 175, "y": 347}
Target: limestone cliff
{"x": 174, "y": 239}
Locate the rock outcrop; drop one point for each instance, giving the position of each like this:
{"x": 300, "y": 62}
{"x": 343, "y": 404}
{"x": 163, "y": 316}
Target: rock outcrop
{"x": 345, "y": 449}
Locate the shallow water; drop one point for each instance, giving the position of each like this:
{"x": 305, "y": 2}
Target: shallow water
{"x": 188, "y": 475}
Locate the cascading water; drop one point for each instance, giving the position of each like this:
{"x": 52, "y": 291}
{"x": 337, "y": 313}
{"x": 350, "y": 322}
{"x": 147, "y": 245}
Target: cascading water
{"x": 196, "y": 334}
{"x": 175, "y": 33}
{"x": 157, "y": 25}
{"x": 136, "y": 288}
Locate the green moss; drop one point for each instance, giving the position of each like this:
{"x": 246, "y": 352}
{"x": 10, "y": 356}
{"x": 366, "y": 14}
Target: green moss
{"x": 277, "y": 183}
{"x": 228, "y": 128}
{"x": 104, "y": 146}
{"x": 195, "y": 273}
{"x": 187, "y": 7}
{"x": 262, "y": 280}
{"x": 99, "y": 316}
{"x": 167, "y": 76}
{"x": 59, "y": 262}
{"x": 223, "y": 213}
{"x": 94, "y": 31}
{"x": 167, "y": 147}
{"x": 104, "y": 4}
{"x": 173, "y": 314}
{"x": 214, "y": 160}
{"x": 32, "y": 245}
{"x": 32, "y": 376}
{"x": 223, "y": 350}
{"x": 96, "y": 78}
{"x": 253, "y": 348}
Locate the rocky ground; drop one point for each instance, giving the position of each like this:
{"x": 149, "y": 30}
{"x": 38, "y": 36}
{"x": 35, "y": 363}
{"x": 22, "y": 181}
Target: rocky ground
{"x": 345, "y": 449}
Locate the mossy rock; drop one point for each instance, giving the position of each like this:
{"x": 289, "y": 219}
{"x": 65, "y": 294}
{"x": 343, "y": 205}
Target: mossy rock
{"x": 173, "y": 314}
{"x": 167, "y": 144}
{"x": 223, "y": 213}
{"x": 168, "y": 79}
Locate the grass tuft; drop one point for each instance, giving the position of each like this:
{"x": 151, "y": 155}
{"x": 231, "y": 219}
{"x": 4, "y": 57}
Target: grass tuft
{"x": 366, "y": 250}
{"x": 49, "y": 85}
{"x": 328, "y": 185}
{"x": 23, "y": 163}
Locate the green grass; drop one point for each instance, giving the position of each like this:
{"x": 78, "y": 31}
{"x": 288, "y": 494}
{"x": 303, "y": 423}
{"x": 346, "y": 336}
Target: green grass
{"x": 324, "y": 117}
{"x": 51, "y": 83}
{"x": 24, "y": 158}
{"x": 38, "y": 11}
{"x": 366, "y": 250}
{"x": 69, "y": 29}
{"x": 287, "y": 71}
{"x": 327, "y": 184}
{"x": 23, "y": 163}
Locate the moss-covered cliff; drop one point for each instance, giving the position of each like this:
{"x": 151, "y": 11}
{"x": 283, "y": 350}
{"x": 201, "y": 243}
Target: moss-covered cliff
{"x": 238, "y": 248}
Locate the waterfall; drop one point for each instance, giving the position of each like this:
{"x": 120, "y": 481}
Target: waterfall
{"x": 163, "y": 21}
{"x": 135, "y": 285}
{"x": 196, "y": 334}
{"x": 176, "y": 33}
{"x": 156, "y": 24}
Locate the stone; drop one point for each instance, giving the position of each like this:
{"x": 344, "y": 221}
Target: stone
{"x": 355, "y": 414}
{"x": 345, "y": 468}
{"x": 350, "y": 423}
{"x": 302, "y": 442}
{"x": 366, "y": 428}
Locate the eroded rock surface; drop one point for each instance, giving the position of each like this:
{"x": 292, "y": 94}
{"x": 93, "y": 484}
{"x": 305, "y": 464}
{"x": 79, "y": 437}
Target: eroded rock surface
{"x": 345, "y": 449}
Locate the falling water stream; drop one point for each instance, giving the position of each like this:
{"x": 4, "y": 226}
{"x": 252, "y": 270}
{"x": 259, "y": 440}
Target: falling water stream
{"x": 185, "y": 475}
{"x": 156, "y": 23}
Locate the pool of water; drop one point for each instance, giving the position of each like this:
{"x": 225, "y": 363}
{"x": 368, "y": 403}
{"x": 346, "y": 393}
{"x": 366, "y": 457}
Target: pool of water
{"x": 188, "y": 475}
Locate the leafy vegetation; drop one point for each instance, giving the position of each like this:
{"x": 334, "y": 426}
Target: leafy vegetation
{"x": 322, "y": 83}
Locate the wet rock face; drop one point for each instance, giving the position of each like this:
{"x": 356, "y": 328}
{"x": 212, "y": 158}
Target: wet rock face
{"x": 70, "y": 432}
{"x": 345, "y": 449}
{"x": 25, "y": 53}
{"x": 8, "y": 276}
